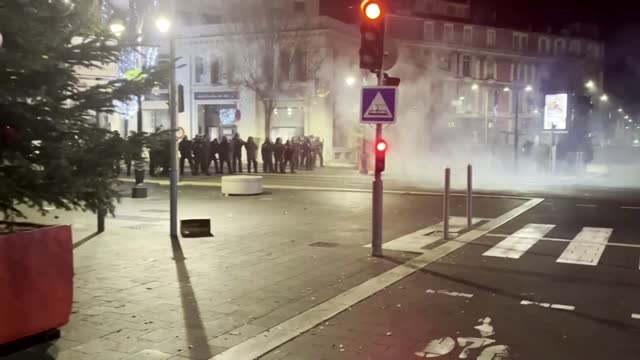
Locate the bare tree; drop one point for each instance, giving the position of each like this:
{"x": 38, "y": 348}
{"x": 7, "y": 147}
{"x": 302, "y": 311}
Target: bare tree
{"x": 272, "y": 52}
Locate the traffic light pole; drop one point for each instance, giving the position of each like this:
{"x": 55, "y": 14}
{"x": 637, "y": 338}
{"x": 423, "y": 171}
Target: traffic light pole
{"x": 376, "y": 240}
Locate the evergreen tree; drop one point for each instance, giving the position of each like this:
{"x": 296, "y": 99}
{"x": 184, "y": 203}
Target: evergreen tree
{"x": 51, "y": 151}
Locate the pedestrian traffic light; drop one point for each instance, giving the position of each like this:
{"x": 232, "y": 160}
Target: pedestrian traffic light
{"x": 371, "y": 35}
{"x": 380, "y": 150}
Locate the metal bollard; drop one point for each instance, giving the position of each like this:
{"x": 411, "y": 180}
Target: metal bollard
{"x": 101, "y": 215}
{"x": 469, "y": 196}
{"x": 445, "y": 206}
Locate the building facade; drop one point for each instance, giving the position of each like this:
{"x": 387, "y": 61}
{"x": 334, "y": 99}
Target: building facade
{"x": 463, "y": 80}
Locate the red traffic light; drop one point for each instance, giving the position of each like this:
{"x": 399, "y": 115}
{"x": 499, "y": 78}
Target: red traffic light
{"x": 381, "y": 145}
{"x": 371, "y": 9}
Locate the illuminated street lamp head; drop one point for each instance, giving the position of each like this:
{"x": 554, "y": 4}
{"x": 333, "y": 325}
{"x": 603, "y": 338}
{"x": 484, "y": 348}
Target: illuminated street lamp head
{"x": 506, "y": 89}
{"x": 474, "y": 87}
{"x": 163, "y": 24}
{"x": 528, "y": 88}
{"x": 590, "y": 84}
{"x": 350, "y": 80}
{"x": 604, "y": 98}
{"x": 620, "y": 110}
{"x": 371, "y": 9}
{"x": 117, "y": 28}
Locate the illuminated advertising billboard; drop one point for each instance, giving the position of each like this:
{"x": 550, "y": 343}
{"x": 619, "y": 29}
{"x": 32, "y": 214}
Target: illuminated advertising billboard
{"x": 555, "y": 111}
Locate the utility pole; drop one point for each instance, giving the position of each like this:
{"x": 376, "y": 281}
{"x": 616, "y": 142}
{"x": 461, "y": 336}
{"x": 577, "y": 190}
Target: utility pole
{"x": 173, "y": 114}
{"x": 516, "y": 151}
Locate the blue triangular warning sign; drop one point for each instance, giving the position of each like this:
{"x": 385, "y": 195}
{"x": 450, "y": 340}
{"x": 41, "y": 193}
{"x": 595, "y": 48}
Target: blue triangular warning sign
{"x": 378, "y": 108}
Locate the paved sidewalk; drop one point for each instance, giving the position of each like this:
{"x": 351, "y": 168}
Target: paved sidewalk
{"x": 141, "y": 296}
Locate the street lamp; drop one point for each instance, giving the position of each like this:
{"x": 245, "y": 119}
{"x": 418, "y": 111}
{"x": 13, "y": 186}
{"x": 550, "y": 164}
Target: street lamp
{"x": 528, "y": 88}
{"x": 474, "y": 87}
{"x": 590, "y": 85}
{"x": 163, "y": 24}
{"x": 620, "y": 110}
{"x": 506, "y": 89}
{"x": 604, "y": 98}
{"x": 350, "y": 80}
{"x": 117, "y": 28}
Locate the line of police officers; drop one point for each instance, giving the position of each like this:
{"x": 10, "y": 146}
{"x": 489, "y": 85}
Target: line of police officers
{"x": 299, "y": 152}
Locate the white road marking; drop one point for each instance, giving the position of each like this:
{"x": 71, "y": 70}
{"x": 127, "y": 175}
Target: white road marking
{"x": 548, "y": 305}
{"x": 586, "y": 205}
{"x": 635, "y": 316}
{"x": 569, "y": 240}
{"x": 272, "y": 338}
{"x": 450, "y": 293}
{"x": 416, "y": 241}
{"x": 587, "y": 247}
{"x": 630, "y": 207}
{"x": 522, "y": 240}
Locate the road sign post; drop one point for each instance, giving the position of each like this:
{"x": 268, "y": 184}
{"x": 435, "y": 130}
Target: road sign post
{"x": 378, "y": 106}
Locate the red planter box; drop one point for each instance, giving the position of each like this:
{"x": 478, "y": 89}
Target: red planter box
{"x": 36, "y": 281}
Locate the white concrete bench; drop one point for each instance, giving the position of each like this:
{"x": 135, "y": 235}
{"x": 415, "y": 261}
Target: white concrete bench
{"x": 241, "y": 185}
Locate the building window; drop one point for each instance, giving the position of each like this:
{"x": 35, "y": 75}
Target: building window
{"x": 544, "y": 45}
{"x": 491, "y": 37}
{"x": 284, "y": 62}
{"x": 428, "y": 6}
{"x": 519, "y": 41}
{"x": 466, "y": 66}
{"x": 214, "y": 71}
{"x": 574, "y": 46}
{"x": 300, "y": 65}
{"x": 467, "y": 35}
{"x": 448, "y": 33}
{"x": 451, "y": 11}
{"x": 559, "y": 46}
{"x": 230, "y": 69}
{"x": 428, "y": 31}
{"x": 199, "y": 70}
{"x": 299, "y": 6}
{"x": 490, "y": 69}
{"x": 212, "y": 18}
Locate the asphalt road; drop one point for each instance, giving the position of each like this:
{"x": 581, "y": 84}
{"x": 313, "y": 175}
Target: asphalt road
{"x": 583, "y": 187}
{"x": 561, "y": 296}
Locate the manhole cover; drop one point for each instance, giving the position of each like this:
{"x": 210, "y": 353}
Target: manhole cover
{"x": 324, "y": 244}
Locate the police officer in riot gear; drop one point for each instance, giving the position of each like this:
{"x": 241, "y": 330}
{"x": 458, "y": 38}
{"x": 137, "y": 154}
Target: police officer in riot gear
{"x": 267, "y": 156}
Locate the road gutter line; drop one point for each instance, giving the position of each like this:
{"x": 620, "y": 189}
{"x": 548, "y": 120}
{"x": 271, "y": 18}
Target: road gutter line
{"x": 322, "y": 188}
{"x": 270, "y": 339}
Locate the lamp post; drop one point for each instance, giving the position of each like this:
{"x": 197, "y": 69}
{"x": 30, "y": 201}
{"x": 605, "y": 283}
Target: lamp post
{"x": 517, "y": 91}
{"x": 163, "y": 24}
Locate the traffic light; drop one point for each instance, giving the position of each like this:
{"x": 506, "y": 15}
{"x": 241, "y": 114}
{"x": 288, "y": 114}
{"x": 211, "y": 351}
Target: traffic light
{"x": 371, "y": 35}
{"x": 390, "y": 81}
{"x": 180, "y": 98}
{"x": 380, "y": 150}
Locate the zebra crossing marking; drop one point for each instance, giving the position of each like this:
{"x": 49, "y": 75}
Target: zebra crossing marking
{"x": 519, "y": 242}
{"x": 587, "y": 247}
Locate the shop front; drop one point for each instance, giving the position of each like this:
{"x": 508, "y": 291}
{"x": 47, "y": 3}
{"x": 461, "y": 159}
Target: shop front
{"x": 217, "y": 113}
